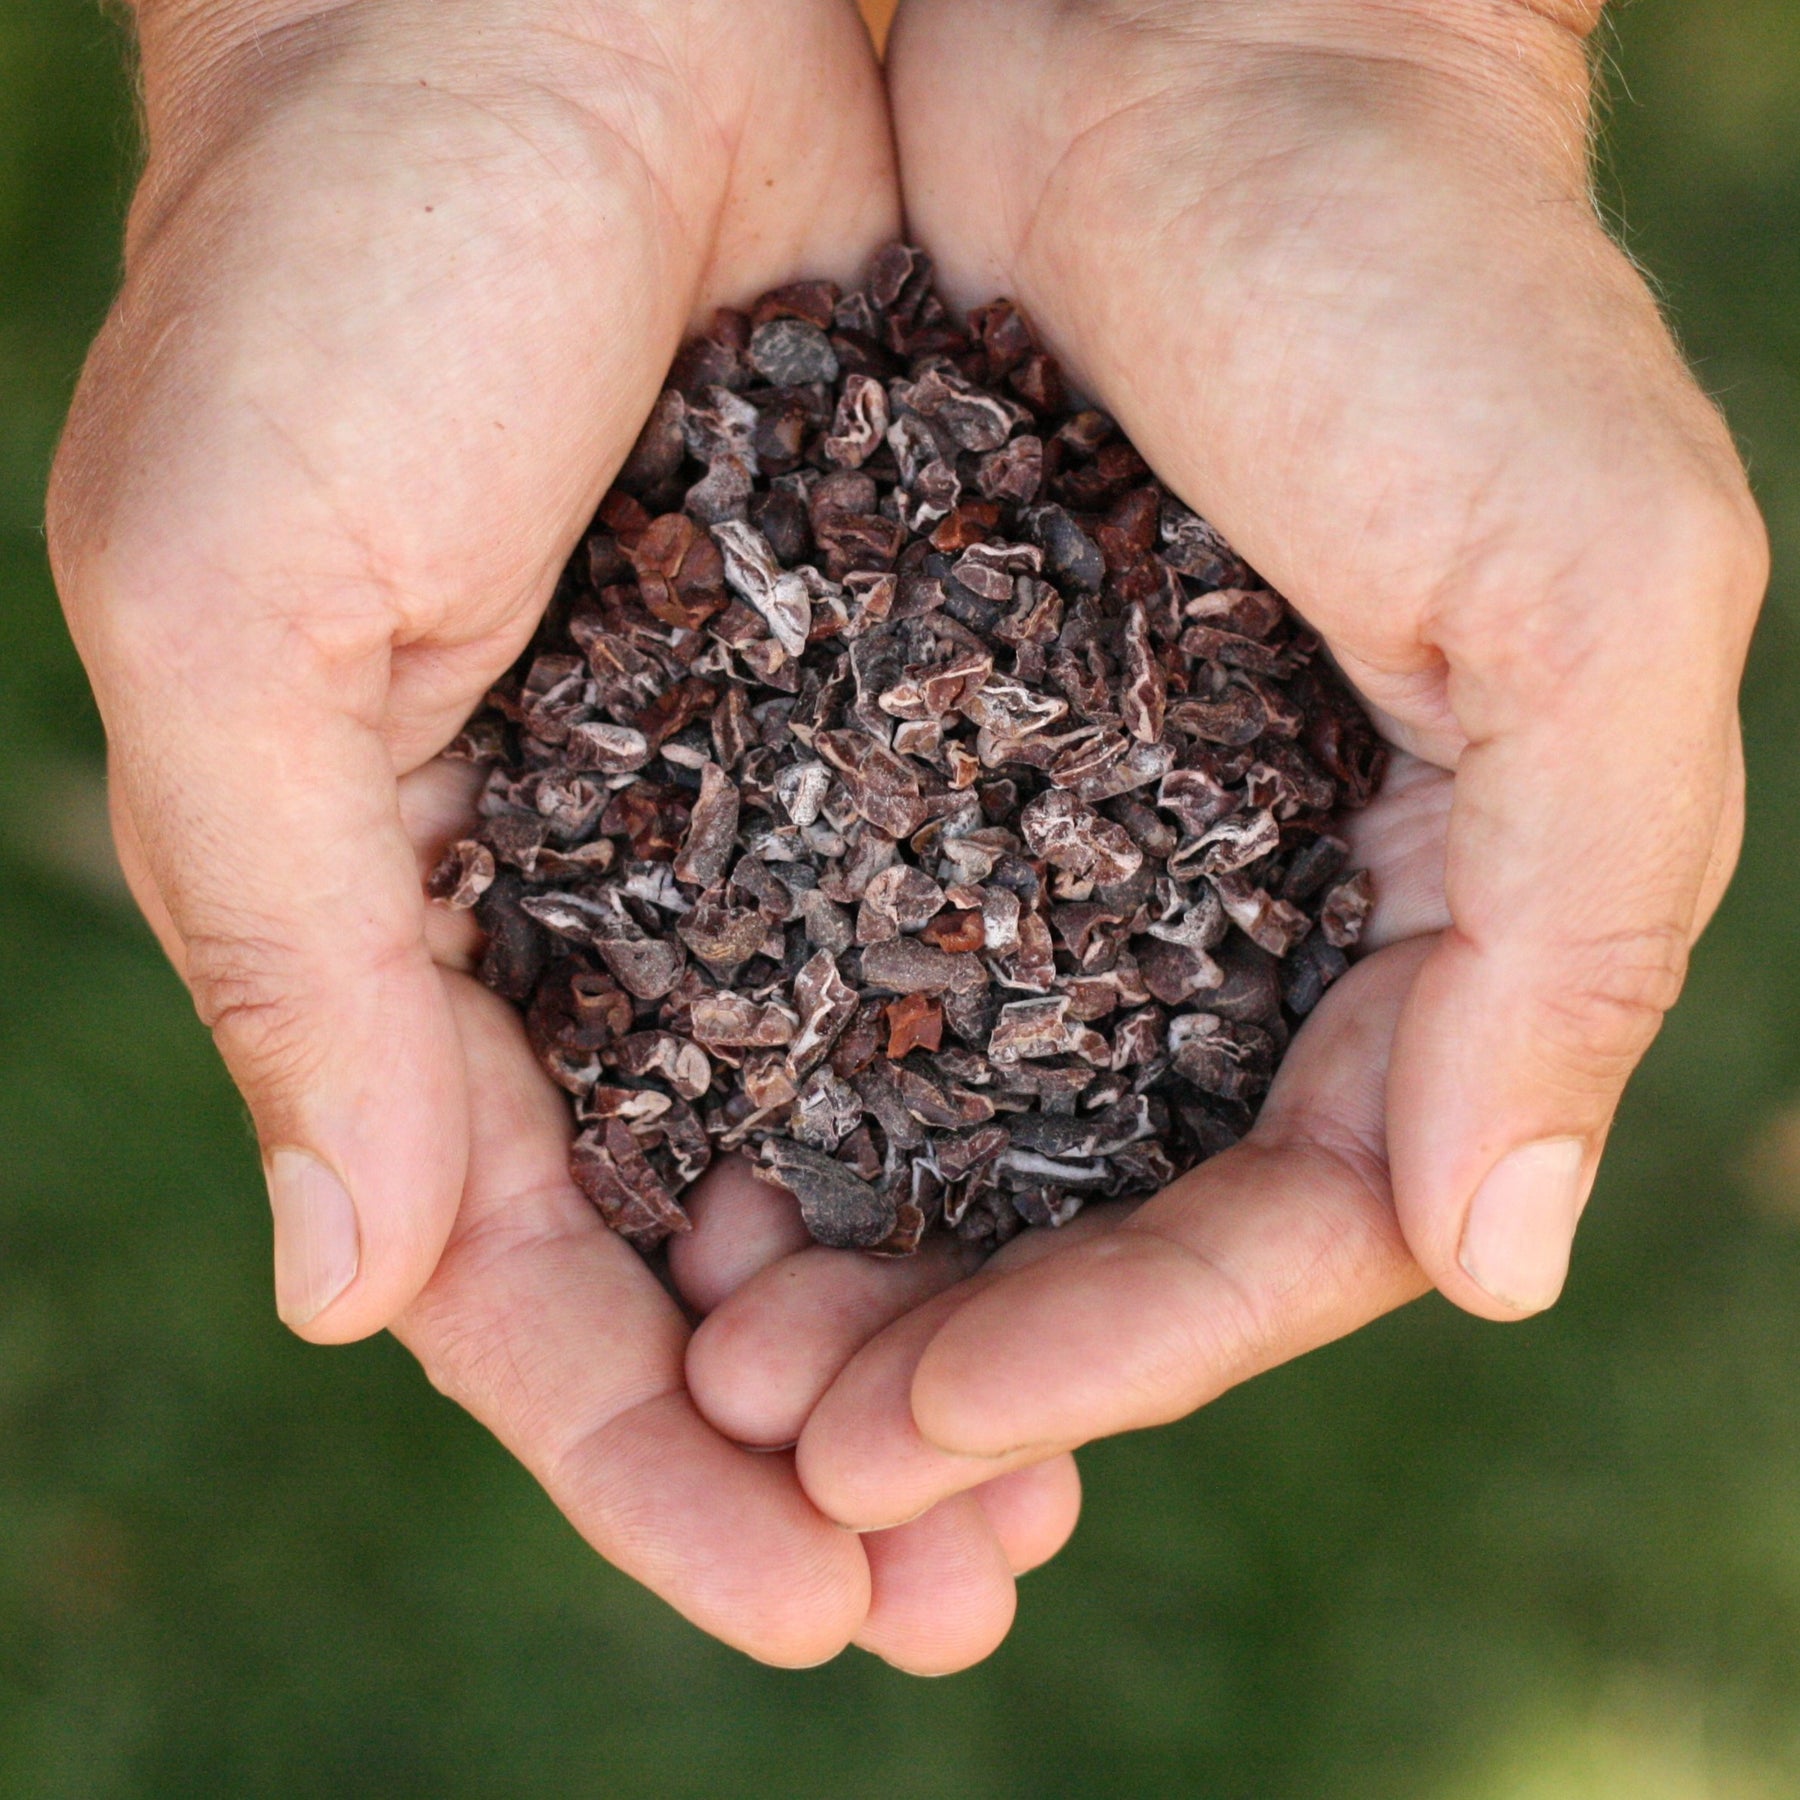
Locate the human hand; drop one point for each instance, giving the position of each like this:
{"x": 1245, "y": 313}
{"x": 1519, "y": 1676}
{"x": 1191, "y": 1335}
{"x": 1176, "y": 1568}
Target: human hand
{"x": 1336, "y": 271}
{"x": 401, "y": 284}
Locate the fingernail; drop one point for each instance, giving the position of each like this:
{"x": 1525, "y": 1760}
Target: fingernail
{"x": 316, "y": 1241}
{"x": 1521, "y": 1225}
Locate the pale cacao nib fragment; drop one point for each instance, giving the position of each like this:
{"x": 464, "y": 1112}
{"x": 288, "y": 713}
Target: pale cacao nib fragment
{"x": 711, "y": 839}
{"x": 901, "y": 899}
{"x": 605, "y": 748}
{"x": 1237, "y": 716}
{"x": 860, "y": 424}
{"x": 906, "y": 789}
{"x": 725, "y": 1020}
{"x": 646, "y": 968}
{"x": 884, "y": 1098}
{"x": 1249, "y": 612}
{"x": 910, "y": 1222}
{"x": 826, "y": 1111}
{"x": 723, "y": 936}
{"x": 826, "y": 1004}
{"x": 1071, "y": 835}
{"x": 1271, "y": 924}
{"x": 464, "y": 873}
{"x": 970, "y": 1015}
{"x": 1145, "y": 695}
{"x": 1345, "y": 910}
{"x": 1230, "y": 844}
{"x": 1175, "y": 973}
{"x": 907, "y": 966}
{"x": 790, "y": 352}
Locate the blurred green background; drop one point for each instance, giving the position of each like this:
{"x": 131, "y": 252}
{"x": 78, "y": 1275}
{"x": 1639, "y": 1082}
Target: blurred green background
{"x": 1441, "y": 1562}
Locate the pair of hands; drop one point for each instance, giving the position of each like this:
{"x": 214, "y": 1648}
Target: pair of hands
{"x": 402, "y": 280}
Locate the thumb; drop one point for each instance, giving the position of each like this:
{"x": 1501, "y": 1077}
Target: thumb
{"x": 1598, "y": 808}
{"x": 262, "y": 813}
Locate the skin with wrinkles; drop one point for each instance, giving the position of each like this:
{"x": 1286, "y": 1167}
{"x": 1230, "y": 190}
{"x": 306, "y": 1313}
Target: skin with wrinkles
{"x": 401, "y": 283}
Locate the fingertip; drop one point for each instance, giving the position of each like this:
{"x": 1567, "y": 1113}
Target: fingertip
{"x": 1033, "y": 1511}
{"x": 366, "y": 1168}
{"x": 954, "y": 1408}
{"x": 1055, "y": 1353}
{"x": 1494, "y": 1139}
{"x": 759, "y": 1364}
{"x": 727, "y": 1536}
{"x": 746, "y": 1374}
{"x": 1520, "y": 1229}
{"x": 942, "y": 1597}
{"x": 811, "y": 1622}
{"x": 318, "y": 1242}
{"x": 861, "y": 1458}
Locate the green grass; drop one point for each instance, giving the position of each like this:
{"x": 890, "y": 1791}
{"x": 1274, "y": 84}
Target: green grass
{"x": 1439, "y": 1562}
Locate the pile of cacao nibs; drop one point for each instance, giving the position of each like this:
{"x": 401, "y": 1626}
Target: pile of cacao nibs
{"x": 905, "y": 788}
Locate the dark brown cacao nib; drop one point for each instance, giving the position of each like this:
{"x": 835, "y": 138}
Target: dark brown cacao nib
{"x": 907, "y": 789}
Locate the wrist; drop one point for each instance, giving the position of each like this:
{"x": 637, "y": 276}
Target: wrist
{"x": 1501, "y": 81}
{"x": 291, "y": 88}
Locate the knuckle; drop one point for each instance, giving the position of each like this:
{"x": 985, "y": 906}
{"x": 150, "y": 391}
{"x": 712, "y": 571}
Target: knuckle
{"x": 469, "y": 1358}
{"x": 1708, "y": 539}
{"x": 1601, "y": 1015}
{"x": 1657, "y": 569}
{"x": 244, "y": 990}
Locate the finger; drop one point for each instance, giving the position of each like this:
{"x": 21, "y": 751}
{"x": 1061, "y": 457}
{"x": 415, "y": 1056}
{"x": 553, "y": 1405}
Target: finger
{"x": 757, "y": 1366}
{"x": 741, "y": 1226}
{"x": 861, "y": 1456}
{"x": 1033, "y": 1511}
{"x": 1598, "y": 791}
{"x": 1400, "y": 838}
{"x": 1265, "y": 1252}
{"x": 942, "y": 1595}
{"x": 551, "y": 1331}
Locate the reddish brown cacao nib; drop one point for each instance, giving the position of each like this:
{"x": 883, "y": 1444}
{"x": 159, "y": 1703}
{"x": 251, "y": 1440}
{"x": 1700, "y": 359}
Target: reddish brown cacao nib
{"x": 907, "y": 789}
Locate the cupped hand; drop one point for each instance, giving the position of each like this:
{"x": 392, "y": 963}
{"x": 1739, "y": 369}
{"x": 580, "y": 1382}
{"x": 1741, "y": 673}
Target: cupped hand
{"x": 402, "y": 281}
{"x": 1337, "y": 271}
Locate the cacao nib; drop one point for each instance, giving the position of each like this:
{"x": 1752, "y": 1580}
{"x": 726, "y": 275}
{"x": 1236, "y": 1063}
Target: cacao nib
{"x": 908, "y": 789}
